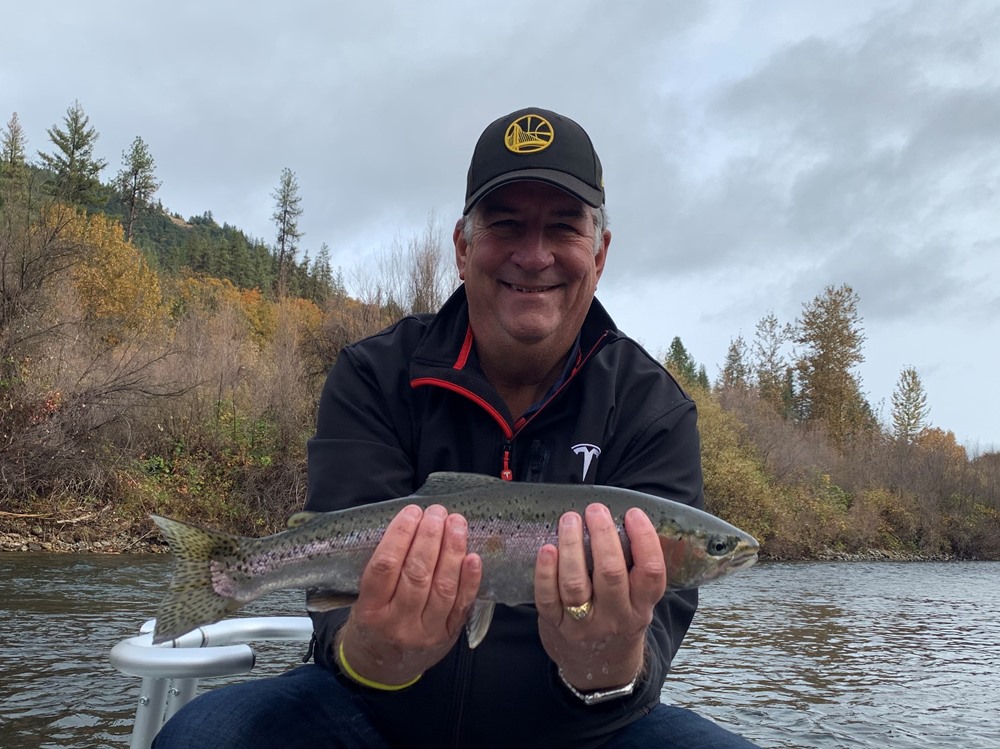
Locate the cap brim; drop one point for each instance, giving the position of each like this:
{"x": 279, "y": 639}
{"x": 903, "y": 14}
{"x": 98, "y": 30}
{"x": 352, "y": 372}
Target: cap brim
{"x": 575, "y": 187}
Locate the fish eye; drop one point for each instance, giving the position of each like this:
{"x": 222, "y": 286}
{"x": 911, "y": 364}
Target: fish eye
{"x": 718, "y": 546}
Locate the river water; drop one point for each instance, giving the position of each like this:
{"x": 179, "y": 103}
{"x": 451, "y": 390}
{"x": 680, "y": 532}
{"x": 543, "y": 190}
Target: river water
{"x": 790, "y": 655}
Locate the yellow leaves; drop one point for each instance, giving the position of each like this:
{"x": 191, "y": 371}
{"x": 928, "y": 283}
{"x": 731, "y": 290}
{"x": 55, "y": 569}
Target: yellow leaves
{"x": 113, "y": 282}
{"x": 207, "y": 296}
{"x": 943, "y": 443}
{"x": 305, "y": 314}
{"x": 736, "y": 486}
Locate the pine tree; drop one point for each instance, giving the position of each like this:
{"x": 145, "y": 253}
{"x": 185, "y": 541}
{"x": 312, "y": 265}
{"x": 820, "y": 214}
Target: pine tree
{"x": 909, "y": 407}
{"x": 680, "y": 363}
{"x": 702, "y": 378}
{"x": 322, "y": 275}
{"x": 769, "y": 364}
{"x": 12, "y": 147}
{"x": 287, "y": 211}
{"x": 136, "y": 182}
{"x": 829, "y": 391}
{"x": 74, "y": 164}
{"x": 736, "y": 371}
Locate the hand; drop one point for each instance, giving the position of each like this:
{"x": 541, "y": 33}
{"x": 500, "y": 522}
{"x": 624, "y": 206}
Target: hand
{"x": 414, "y": 596}
{"x": 606, "y": 649}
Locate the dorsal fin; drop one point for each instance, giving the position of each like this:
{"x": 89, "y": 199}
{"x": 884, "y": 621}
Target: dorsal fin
{"x": 301, "y": 518}
{"x": 442, "y": 483}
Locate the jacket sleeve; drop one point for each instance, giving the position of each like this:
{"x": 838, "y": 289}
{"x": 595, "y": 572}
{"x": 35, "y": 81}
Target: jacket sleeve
{"x": 665, "y": 460}
{"x": 356, "y": 456}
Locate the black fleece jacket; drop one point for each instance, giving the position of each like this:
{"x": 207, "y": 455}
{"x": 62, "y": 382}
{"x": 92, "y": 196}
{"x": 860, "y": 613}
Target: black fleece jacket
{"x": 412, "y": 400}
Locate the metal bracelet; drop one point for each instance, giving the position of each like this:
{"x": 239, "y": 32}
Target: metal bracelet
{"x": 601, "y": 695}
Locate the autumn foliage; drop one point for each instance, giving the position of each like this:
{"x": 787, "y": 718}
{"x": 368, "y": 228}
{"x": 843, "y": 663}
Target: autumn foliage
{"x": 127, "y": 389}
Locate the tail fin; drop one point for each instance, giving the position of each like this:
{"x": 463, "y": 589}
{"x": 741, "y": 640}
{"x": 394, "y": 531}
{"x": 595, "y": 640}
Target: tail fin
{"x": 191, "y": 600}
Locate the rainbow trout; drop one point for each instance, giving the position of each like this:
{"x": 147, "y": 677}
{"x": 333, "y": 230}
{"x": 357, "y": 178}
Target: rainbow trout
{"x": 217, "y": 573}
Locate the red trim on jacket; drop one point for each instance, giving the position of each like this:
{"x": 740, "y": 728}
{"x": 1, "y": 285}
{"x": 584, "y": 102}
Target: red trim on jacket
{"x": 463, "y": 355}
{"x": 497, "y": 416}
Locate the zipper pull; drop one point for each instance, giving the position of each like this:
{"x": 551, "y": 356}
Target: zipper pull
{"x": 506, "y": 474}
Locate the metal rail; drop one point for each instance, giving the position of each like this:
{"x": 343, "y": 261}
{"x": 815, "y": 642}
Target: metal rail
{"x": 170, "y": 671}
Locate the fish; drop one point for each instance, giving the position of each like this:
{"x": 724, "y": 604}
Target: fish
{"x": 324, "y": 553}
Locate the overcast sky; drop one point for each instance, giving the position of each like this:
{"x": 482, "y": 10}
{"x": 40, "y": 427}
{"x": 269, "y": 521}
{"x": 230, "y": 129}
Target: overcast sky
{"x": 754, "y": 152}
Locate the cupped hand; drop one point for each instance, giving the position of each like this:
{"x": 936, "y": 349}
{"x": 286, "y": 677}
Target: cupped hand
{"x": 414, "y": 596}
{"x": 606, "y": 648}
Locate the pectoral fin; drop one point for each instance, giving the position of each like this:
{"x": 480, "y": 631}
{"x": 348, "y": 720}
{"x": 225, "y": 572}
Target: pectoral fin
{"x": 479, "y": 621}
{"x": 328, "y": 600}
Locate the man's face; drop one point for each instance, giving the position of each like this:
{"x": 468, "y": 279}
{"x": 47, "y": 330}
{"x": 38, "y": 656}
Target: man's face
{"x": 531, "y": 270}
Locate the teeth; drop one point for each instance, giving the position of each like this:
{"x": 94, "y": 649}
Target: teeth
{"x": 529, "y": 291}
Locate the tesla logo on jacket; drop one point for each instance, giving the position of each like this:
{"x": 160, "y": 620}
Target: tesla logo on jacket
{"x": 589, "y": 452}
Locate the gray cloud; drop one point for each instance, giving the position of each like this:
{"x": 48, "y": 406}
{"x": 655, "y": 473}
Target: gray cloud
{"x": 754, "y": 153}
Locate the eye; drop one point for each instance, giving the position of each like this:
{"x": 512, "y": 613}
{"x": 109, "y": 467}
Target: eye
{"x": 718, "y": 546}
{"x": 564, "y": 228}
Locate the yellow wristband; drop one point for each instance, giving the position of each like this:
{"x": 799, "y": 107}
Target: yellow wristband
{"x": 353, "y": 675}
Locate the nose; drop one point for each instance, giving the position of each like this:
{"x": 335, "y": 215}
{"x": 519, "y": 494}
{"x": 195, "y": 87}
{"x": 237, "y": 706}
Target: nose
{"x": 533, "y": 253}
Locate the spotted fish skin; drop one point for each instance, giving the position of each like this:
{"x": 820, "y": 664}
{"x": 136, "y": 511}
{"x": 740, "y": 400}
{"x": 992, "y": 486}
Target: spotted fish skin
{"x": 325, "y": 553}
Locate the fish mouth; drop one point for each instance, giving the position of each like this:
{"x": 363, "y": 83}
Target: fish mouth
{"x": 744, "y": 556}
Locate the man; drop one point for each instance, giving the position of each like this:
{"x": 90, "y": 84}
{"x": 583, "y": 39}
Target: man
{"x": 521, "y": 375}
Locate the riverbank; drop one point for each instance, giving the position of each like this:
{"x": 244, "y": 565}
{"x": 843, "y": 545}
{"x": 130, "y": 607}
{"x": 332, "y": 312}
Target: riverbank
{"x": 97, "y": 532}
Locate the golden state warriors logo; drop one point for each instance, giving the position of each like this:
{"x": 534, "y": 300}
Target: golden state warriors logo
{"x": 528, "y": 134}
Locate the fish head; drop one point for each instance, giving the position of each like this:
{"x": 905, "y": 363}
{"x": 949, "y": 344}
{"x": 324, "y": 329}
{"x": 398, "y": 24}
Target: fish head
{"x": 697, "y": 556}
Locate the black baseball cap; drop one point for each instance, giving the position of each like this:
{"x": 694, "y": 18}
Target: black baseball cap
{"x": 535, "y": 144}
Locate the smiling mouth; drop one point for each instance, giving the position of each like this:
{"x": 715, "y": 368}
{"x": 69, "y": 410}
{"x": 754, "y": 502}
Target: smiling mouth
{"x": 527, "y": 289}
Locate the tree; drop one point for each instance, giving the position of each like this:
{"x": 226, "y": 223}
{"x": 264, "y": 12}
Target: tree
{"x": 909, "y": 407}
{"x": 116, "y": 289}
{"x": 829, "y": 392}
{"x": 36, "y": 251}
{"x": 74, "y": 164}
{"x": 680, "y": 362}
{"x": 432, "y": 273}
{"x": 320, "y": 277}
{"x": 411, "y": 277}
{"x": 136, "y": 182}
{"x": 12, "y": 145}
{"x": 736, "y": 371}
{"x": 769, "y": 363}
{"x": 287, "y": 210}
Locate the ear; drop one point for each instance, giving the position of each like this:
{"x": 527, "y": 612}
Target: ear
{"x": 461, "y": 247}
{"x": 602, "y": 254}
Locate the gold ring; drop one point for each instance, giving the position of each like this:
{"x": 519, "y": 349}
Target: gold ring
{"x": 581, "y": 612}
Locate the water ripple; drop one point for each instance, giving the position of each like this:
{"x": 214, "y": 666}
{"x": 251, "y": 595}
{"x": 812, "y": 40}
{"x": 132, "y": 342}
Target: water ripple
{"x": 822, "y": 655}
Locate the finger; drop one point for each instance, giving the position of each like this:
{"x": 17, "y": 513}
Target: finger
{"x": 445, "y": 584}
{"x": 468, "y": 587}
{"x": 381, "y": 574}
{"x": 610, "y": 576}
{"x": 574, "y": 578}
{"x": 417, "y": 573}
{"x": 547, "y": 600}
{"x": 648, "y": 577}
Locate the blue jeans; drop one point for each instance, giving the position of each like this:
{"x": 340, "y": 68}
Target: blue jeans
{"x": 308, "y": 707}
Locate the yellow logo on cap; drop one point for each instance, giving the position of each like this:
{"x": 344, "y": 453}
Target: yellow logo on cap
{"x": 528, "y": 134}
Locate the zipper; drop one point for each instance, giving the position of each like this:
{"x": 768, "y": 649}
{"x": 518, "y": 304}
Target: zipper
{"x": 538, "y": 457}
{"x": 463, "y": 675}
{"x": 509, "y": 433}
{"x": 506, "y": 474}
